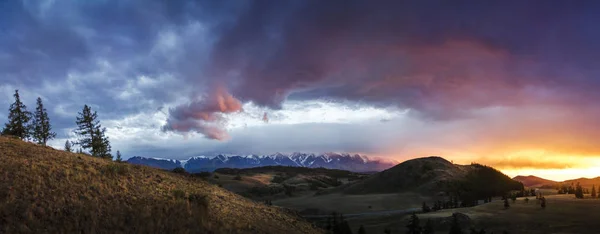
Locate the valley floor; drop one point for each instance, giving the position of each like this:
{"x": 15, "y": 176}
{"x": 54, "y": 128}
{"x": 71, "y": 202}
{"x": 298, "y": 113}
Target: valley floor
{"x": 563, "y": 214}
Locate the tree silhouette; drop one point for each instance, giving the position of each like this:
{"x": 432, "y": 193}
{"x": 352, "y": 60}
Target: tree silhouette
{"x": 42, "y": 130}
{"x": 361, "y": 230}
{"x": 455, "y": 226}
{"x": 593, "y": 191}
{"x": 18, "y": 119}
{"x": 425, "y": 208}
{"x": 578, "y": 191}
{"x": 68, "y": 146}
{"x": 543, "y": 204}
{"x": 413, "y": 226}
{"x": 119, "y": 159}
{"x": 91, "y": 134}
{"x": 428, "y": 229}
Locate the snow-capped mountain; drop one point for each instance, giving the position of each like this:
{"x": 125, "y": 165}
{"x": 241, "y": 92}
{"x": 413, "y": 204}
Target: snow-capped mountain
{"x": 358, "y": 163}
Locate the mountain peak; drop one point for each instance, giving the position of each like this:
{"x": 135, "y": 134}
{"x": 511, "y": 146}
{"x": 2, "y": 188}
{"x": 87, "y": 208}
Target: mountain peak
{"x": 329, "y": 160}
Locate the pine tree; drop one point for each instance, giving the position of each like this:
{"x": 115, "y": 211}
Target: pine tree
{"x": 119, "y": 159}
{"x": 42, "y": 130}
{"x": 18, "y": 119}
{"x": 593, "y": 191}
{"x": 92, "y": 135}
{"x": 68, "y": 146}
{"x": 413, "y": 226}
{"x": 455, "y": 226}
{"x": 428, "y": 229}
{"x": 578, "y": 191}
{"x": 361, "y": 230}
{"x": 100, "y": 144}
{"x": 543, "y": 199}
{"x": 425, "y": 208}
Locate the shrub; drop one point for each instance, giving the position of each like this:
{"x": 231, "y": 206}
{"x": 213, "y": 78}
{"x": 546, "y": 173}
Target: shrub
{"x": 178, "y": 194}
{"x": 237, "y": 177}
{"x": 278, "y": 179}
{"x": 198, "y": 199}
{"x": 179, "y": 170}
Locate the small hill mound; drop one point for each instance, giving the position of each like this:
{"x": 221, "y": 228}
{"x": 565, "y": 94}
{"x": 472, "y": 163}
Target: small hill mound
{"x": 433, "y": 175}
{"x": 421, "y": 174}
{"x": 43, "y": 190}
{"x": 534, "y": 181}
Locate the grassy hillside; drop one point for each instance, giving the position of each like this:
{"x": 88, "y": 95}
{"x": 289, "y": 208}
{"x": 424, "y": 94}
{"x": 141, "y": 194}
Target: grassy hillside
{"x": 47, "y": 190}
{"x": 277, "y": 182}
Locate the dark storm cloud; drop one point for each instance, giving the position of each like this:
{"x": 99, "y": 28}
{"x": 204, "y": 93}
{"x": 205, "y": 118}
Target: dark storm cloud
{"x": 94, "y": 52}
{"x": 436, "y": 57}
{"x": 439, "y": 58}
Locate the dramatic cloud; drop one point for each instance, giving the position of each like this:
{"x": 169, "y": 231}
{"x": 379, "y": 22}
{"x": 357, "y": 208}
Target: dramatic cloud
{"x": 464, "y": 80}
{"x": 205, "y": 115}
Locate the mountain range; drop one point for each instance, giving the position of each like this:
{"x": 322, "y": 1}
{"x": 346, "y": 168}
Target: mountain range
{"x": 343, "y": 161}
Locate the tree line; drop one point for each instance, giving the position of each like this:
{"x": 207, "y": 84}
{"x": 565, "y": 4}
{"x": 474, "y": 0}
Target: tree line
{"x": 36, "y": 127}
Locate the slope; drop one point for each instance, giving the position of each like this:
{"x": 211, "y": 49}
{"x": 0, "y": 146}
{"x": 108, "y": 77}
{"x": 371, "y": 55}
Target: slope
{"x": 534, "y": 181}
{"x": 433, "y": 175}
{"x": 48, "y": 190}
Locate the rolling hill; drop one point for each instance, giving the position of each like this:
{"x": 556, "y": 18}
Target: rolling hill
{"x": 43, "y": 190}
{"x": 433, "y": 175}
{"x": 537, "y": 182}
{"x": 534, "y": 181}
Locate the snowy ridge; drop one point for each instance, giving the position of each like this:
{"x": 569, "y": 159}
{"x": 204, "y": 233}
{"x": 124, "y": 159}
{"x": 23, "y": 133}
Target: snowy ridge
{"x": 343, "y": 161}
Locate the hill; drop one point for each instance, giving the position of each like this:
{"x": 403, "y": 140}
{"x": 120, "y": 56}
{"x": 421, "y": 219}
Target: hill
{"x": 537, "y": 182}
{"x": 534, "y": 181}
{"x": 585, "y": 182}
{"x": 357, "y": 163}
{"x": 276, "y": 182}
{"x": 434, "y": 175}
{"x": 43, "y": 190}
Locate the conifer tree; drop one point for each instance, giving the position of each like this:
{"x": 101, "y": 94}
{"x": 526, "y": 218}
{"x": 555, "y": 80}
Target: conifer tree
{"x": 68, "y": 146}
{"x": 119, "y": 159}
{"x": 413, "y": 226}
{"x": 361, "y": 230}
{"x": 593, "y": 191}
{"x": 455, "y": 226}
{"x": 18, "y": 119}
{"x": 578, "y": 191}
{"x": 428, "y": 229}
{"x": 91, "y": 134}
{"x": 42, "y": 130}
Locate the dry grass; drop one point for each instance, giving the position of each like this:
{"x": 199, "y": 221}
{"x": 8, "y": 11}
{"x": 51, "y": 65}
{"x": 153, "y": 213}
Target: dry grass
{"x": 43, "y": 190}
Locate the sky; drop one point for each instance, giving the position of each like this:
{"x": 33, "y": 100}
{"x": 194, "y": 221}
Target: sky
{"x": 511, "y": 84}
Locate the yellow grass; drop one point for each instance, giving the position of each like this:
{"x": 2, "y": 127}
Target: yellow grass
{"x": 48, "y": 190}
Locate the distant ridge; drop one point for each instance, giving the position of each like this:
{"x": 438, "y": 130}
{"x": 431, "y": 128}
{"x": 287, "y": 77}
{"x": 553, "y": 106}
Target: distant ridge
{"x": 343, "y": 161}
{"x": 537, "y": 182}
{"x": 534, "y": 181}
{"x": 431, "y": 175}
